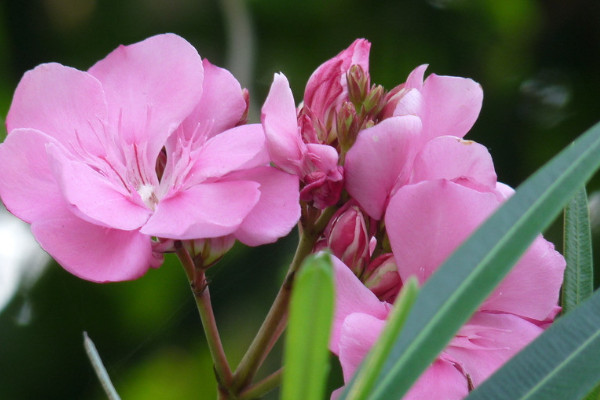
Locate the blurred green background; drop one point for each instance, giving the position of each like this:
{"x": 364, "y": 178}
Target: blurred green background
{"x": 537, "y": 60}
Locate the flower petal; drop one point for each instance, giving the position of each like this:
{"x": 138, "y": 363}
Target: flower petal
{"x": 452, "y": 105}
{"x": 221, "y": 106}
{"x": 359, "y": 333}
{"x": 532, "y": 287}
{"x": 93, "y": 252}
{"x": 27, "y": 185}
{"x": 351, "y": 296}
{"x": 427, "y": 221}
{"x": 95, "y": 197}
{"x": 451, "y": 158}
{"x": 277, "y": 210}
{"x": 381, "y": 158}
{"x": 494, "y": 338}
{"x": 240, "y": 147}
{"x": 278, "y": 118}
{"x": 62, "y": 102}
{"x": 151, "y": 87}
{"x": 203, "y": 211}
{"x": 442, "y": 380}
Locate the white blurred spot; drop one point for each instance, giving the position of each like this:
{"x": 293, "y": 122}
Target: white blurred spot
{"x": 21, "y": 259}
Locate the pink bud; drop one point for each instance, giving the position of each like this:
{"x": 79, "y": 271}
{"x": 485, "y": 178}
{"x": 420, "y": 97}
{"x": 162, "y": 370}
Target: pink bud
{"x": 210, "y": 250}
{"x": 327, "y": 87}
{"x": 382, "y": 278}
{"x": 358, "y": 84}
{"x": 348, "y": 238}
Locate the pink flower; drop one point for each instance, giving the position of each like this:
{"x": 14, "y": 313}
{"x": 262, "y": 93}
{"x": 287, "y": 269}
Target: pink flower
{"x": 440, "y": 110}
{"x": 143, "y": 145}
{"x": 425, "y": 222}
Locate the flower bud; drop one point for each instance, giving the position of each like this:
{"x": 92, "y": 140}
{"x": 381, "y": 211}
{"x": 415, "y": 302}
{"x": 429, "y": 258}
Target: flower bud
{"x": 358, "y": 84}
{"x": 206, "y": 252}
{"x": 382, "y": 278}
{"x": 375, "y": 100}
{"x": 348, "y": 238}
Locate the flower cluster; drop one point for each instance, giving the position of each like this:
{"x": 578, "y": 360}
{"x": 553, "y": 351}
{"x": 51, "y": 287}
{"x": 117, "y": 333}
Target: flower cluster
{"x": 150, "y": 149}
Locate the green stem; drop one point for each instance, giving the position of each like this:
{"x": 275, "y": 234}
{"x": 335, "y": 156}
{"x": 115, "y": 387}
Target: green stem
{"x": 262, "y": 387}
{"x": 275, "y": 320}
{"x": 201, "y": 293}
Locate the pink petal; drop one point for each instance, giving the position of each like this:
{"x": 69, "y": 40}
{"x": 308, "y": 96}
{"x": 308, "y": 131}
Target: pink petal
{"x": 351, "y": 296}
{"x": 381, "y": 158}
{"x": 492, "y": 340}
{"x": 452, "y": 105}
{"x": 281, "y": 127}
{"x": 411, "y": 103}
{"x": 27, "y": 185}
{"x": 442, "y": 380}
{"x": 359, "y": 333}
{"x": 95, "y": 197}
{"x": 62, "y": 102}
{"x": 240, "y": 147}
{"x": 415, "y": 78}
{"x": 451, "y": 158}
{"x": 203, "y": 211}
{"x": 532, "y": 287}
{"x": 277, "y": 210}
{"x": 151, "y": 87}
{"x": 93, "y": 252}
{"x": 427, "y": 221}
{"x": 221, "y": 106}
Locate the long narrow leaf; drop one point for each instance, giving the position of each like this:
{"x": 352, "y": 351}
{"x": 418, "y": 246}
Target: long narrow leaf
{"x": 579, "y": 274}
{"x": 454, "y": 292}
{"x": 311, "y": 312}
{"x": 563, "y": 363}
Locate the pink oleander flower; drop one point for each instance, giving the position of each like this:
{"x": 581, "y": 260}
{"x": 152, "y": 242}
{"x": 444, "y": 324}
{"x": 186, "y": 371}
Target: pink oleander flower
{"x": 144, "y": 144}
{"x": 425, "y": 222}
{"x": 428, "y": 120}
{"x": 303, "y": 141}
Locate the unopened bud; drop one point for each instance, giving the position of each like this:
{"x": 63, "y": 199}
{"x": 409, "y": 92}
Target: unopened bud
{"x": 374, "y": 101}
{"x": 358, "y": 84}
{"x": 382, "y": 278}
{"x": 206, "y": 252}
{"x": 347, "y": 125}
{"x": 348, "y": 239}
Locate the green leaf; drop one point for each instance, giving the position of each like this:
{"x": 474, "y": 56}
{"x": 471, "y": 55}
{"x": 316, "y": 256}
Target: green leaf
{"x": 563, "y": 363}
{"x": 470, "y": 274}
{"x": 594, "y": 394}
{"x": 374, "y": 361}
{"x": 579, "y": 274}
{"x": 311, "y": 313}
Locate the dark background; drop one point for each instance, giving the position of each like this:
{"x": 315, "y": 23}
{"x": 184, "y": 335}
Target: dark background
{"x": 538, "y": 63}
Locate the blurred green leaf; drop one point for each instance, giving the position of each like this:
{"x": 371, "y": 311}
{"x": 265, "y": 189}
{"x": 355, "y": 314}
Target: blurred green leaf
{"x": 562, "y": 363}
{"x": 306, "y": 348}
{"x": 578, "y": 284}
{"x": 374, "y": 361}
{"x": 454, "y": 292}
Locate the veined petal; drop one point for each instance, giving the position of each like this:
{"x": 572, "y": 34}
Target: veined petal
{"x": 380, "y": 159}
{"x": 93, "y": 252}
{"x": 277, "y": 210}
{"x": 95, "y": 197}
{"x": 499, "y": 337}
{"x": 203, "y": 211}
{"x": 442, "y": 380}
{"x": 278, "y": 118}
{"x": 151, "y": 87}
{"x": 64, "y": 103}
{"x": 242, "y": 146}
{"x": 27, "y": 185}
